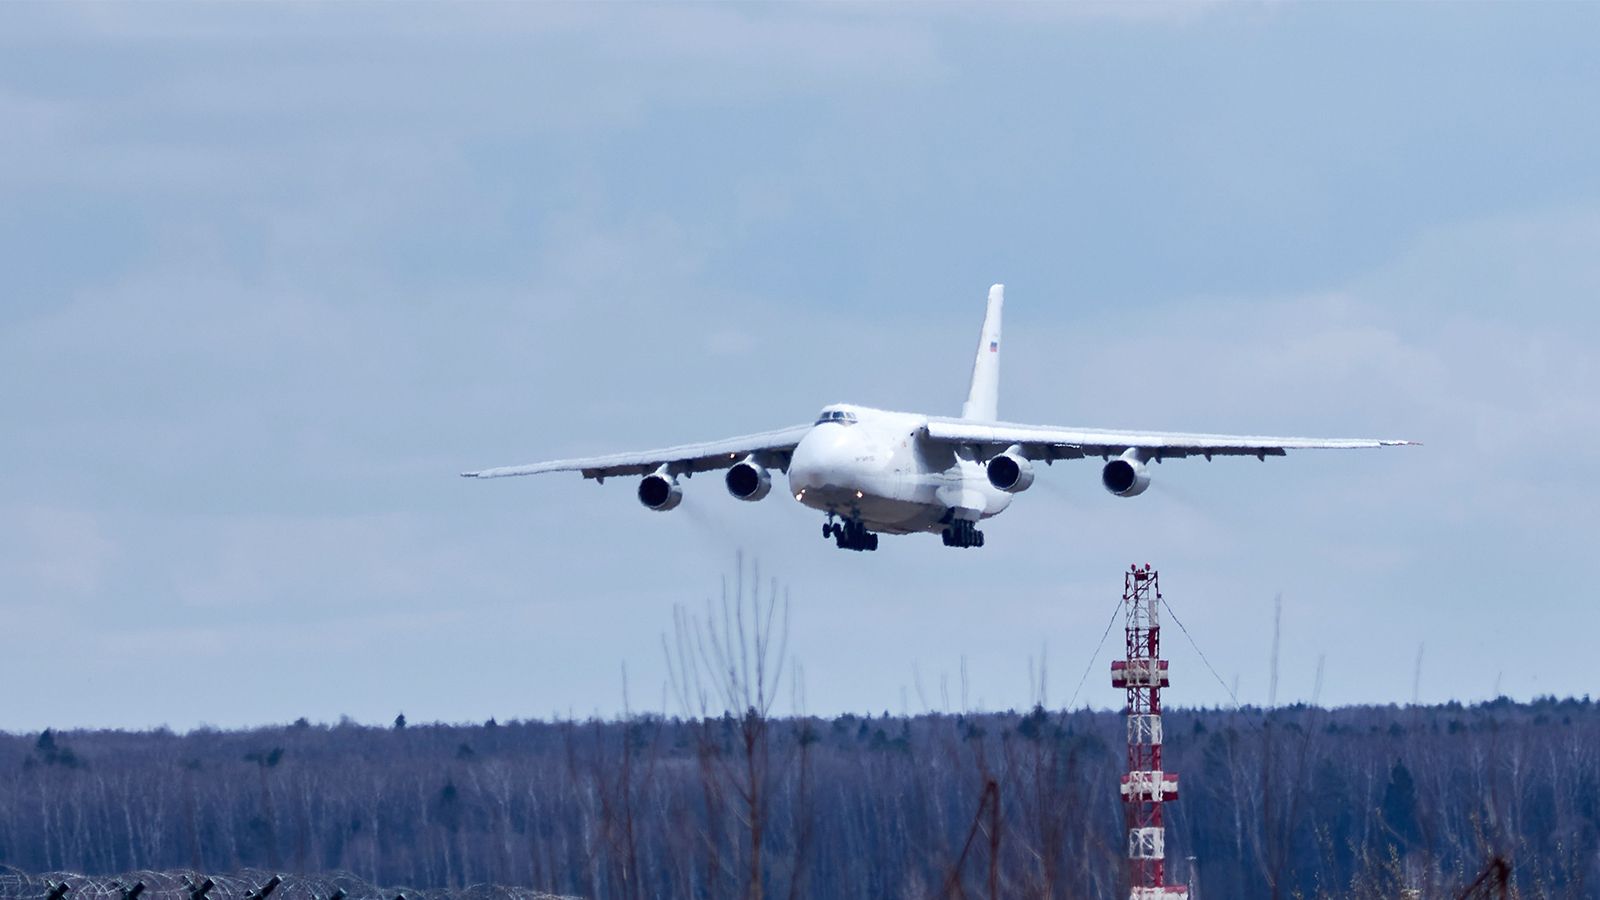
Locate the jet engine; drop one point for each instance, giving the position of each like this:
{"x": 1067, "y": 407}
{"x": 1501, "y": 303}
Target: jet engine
{"x": 1126, "y": 476}
{"x": 748, "y": 481}
{"x": 660, "y": 491}
{"x": 1011, "y": 472}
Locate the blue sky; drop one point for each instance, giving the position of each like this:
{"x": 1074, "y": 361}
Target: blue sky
{"x": 271, "y": 274}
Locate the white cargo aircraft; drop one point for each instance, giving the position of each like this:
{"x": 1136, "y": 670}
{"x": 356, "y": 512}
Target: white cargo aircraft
{"x": 874, "y": 472}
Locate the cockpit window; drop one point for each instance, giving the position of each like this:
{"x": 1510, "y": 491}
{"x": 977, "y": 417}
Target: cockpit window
{"x": 842, "y": 416}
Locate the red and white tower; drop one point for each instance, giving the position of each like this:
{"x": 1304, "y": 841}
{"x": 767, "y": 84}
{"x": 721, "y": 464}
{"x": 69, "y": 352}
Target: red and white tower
{"x": 1146, "y": 786}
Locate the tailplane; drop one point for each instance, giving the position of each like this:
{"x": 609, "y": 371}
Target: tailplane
{"x": 983, "y": 397}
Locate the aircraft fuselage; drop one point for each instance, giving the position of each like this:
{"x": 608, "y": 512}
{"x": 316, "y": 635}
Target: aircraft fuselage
{"x": 879, "y": 467}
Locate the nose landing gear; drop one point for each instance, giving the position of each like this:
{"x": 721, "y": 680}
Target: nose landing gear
{"x": 850, "y": 534}
{"x": 962, "y": 533}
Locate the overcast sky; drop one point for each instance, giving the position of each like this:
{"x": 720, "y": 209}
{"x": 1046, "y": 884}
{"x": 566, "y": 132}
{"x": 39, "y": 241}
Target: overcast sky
{"x": 270, "y": 275}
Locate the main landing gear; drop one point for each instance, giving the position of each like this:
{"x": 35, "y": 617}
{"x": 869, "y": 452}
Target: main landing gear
{"x": 850, "y": 534}
{"x": 962, "y": 533}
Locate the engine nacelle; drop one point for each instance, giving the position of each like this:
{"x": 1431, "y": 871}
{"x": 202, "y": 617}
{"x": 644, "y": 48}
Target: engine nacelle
{"x": 660, "y": 492}
{"x": 748, "y": 481}
{"x": 1011, "y": 472}
{"x": 1126, "y": 476}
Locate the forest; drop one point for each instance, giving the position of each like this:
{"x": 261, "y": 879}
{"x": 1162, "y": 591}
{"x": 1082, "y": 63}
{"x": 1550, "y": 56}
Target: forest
{"x": 725, "y": 800}
{"x": 1292, "y": 802}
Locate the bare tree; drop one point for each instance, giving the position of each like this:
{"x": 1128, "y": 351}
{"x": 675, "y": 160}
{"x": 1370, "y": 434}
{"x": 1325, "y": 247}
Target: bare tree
{"x": 732, "y": 661}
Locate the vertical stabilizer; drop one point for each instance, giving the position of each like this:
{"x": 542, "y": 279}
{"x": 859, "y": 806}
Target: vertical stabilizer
{"x": 983, "y": 397}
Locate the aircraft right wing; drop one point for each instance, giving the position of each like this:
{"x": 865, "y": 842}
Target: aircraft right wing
{"x": 1046, "y": 442}
{"x": 772, "y": 448}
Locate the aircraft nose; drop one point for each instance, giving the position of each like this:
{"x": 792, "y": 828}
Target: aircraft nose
{"x": 821, "y": 456}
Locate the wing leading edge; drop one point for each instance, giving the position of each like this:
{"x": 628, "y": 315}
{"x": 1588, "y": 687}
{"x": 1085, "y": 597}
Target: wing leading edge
{"x": 1050, "y": 442}
{"x": 772, "y": 447}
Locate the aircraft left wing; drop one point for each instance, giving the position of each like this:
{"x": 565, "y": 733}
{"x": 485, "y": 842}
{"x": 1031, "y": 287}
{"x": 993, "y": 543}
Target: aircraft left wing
{"x": 772, "y": 448}
{"x": 1047, "y": 442}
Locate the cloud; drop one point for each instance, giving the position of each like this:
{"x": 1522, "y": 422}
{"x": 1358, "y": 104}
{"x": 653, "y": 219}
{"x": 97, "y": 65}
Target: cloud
{"x": 53, "y": 552}
{"x": 385, "y": 67}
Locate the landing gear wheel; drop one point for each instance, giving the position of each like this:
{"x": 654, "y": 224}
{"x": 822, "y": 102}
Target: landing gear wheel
{"x": 850, "y": 534}
{"x": 962, "y": 533}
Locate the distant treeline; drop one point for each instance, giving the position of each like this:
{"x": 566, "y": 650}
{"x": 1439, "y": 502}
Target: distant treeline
{"x": 1353, "y": 802}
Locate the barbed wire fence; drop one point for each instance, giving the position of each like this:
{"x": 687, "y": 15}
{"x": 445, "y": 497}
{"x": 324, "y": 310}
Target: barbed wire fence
{"x": 249, "y": 884}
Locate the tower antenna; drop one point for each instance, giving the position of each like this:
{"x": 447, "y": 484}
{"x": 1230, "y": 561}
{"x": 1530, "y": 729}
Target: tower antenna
{"x": 1146, "y": 786}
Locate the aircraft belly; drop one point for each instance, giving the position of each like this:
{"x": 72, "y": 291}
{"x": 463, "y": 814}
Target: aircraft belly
{"x": 897, "y": 516}
{"x": 912, "y": 506}
{"x": 880, "y": 507}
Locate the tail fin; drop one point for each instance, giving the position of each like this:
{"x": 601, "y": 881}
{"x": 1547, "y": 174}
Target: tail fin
{"x": 983, "y": 398}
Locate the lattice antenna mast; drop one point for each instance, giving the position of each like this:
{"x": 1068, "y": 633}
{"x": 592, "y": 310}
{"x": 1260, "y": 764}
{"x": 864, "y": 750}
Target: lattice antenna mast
{"x": 1146, "y": 786}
